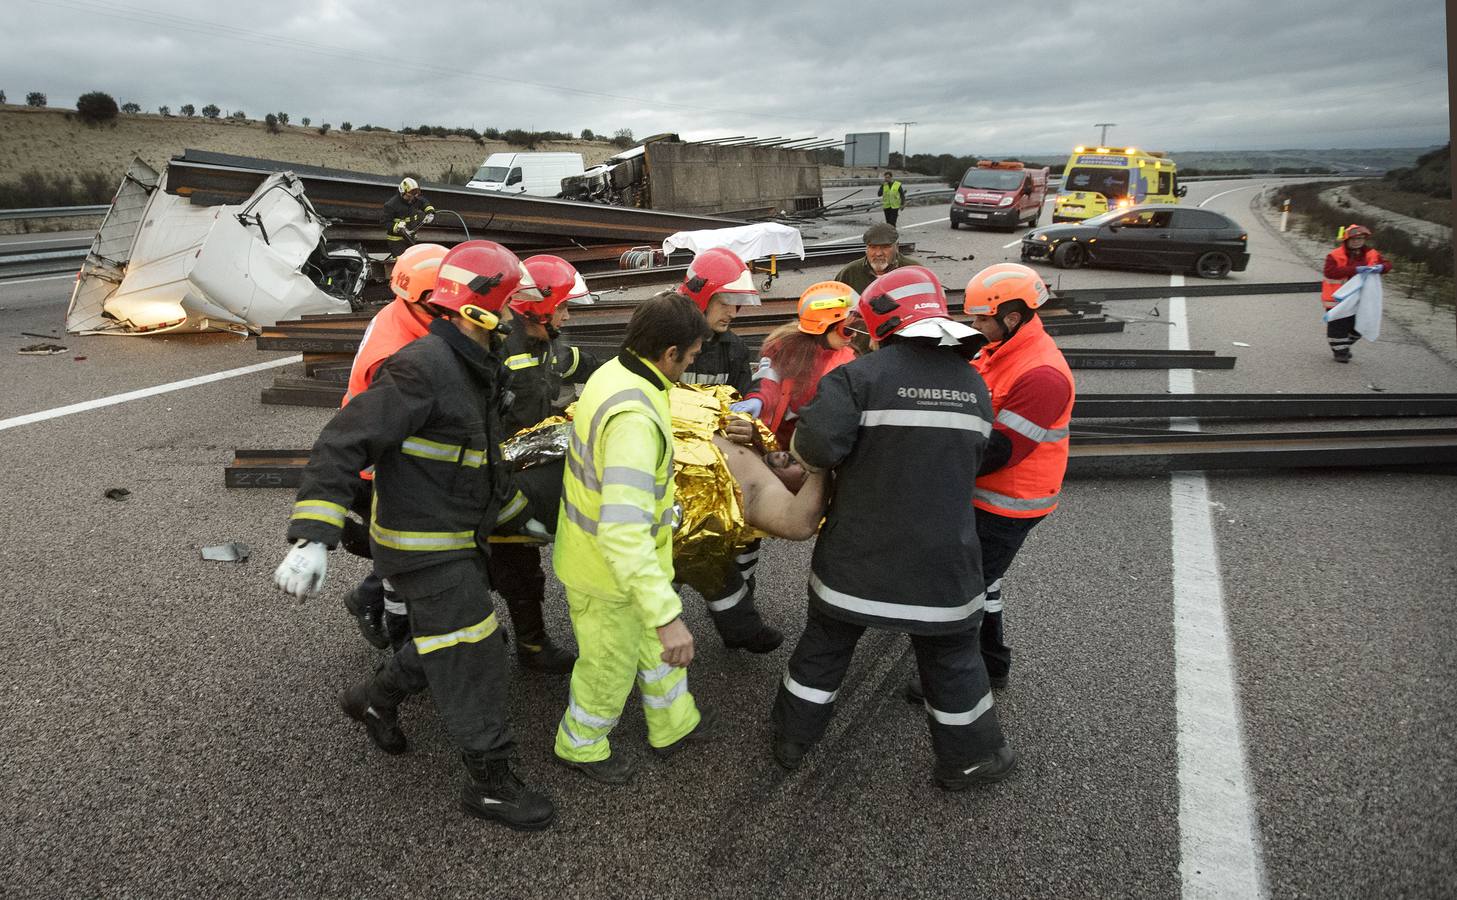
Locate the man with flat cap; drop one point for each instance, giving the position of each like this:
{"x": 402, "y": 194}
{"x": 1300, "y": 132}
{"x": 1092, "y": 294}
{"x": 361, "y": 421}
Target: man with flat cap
{"x": 882, "y": 254}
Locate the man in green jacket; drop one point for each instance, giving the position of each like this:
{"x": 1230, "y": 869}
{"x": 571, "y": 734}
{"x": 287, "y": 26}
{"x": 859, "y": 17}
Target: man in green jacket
{"x": 614, "y": 547}
{"x": 892, "y": 198}
{"x": 882, "y": 254}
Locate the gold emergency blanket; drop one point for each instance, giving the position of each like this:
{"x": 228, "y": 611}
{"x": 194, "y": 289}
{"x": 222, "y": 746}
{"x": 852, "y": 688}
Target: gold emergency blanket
{"x": 712, "y": 528}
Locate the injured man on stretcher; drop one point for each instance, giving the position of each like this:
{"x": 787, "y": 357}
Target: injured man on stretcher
{"x": 728, "y": 494}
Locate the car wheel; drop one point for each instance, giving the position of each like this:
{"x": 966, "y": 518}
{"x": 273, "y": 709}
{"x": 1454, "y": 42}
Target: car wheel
{"x": 1214, "y": 264}
{"x": 1069, "y": 256}
{"x": 954, "y": 226}
{"x": 1036, "y": 217}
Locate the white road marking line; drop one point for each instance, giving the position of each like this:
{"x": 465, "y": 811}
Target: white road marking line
{"x": 28, "y": 418}
{"x": 7, "y": 283}
{"x": 1219, "y": 844}
{"x": 1230, "y": 191}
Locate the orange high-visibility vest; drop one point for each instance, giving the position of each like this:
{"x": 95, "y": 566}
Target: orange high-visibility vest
{"x": 1328, "y": 287}
{"x": 392, "y": 328}
{"x": 1029, "y": 488}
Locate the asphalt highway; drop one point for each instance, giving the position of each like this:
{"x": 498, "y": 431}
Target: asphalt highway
{"x": 169, "y": 725}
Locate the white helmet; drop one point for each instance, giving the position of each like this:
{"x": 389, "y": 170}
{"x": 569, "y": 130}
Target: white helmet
{"x": 409, "y": 184}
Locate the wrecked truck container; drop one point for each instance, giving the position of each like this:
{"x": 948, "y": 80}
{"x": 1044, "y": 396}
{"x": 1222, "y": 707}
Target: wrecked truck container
{"x": 158, "y": 264}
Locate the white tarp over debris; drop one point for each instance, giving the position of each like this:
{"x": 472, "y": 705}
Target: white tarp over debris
{"x": 748, "y": 242}
{"x": 159, "y": 264}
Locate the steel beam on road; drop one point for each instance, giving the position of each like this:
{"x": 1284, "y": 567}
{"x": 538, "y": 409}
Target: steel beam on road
{"x": 1095, "y": 456}
{"x": 1221, "y": 289}
{"x": 1080, "y": 358}
{"x": 1262, "y": 406}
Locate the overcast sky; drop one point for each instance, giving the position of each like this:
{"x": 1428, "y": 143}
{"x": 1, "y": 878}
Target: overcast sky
{"x": 976, "y": 77}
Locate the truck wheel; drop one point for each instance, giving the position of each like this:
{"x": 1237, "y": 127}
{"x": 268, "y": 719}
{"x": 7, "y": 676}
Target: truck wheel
{"x": 1069, "y": 256}
{"x": 1214, "y": 264}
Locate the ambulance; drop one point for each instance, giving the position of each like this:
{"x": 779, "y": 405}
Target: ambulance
{"x": 1099, "y": 179}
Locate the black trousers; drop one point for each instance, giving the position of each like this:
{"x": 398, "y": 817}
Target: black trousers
{"x": 731, "y": 604}
{"x": 457, "y": 652}
{"x": 516, "y": 574}
{"x": 1341, "y": 333}
{"x": 1001, "y": 537}
{"x": 891, "y": 215}
{"x": 959, "y": 708}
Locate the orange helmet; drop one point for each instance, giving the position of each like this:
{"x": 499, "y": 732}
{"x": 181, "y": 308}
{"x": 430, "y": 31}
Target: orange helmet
{"x": 997, "y": 284}
{"x": 824, "y": 305}
{"x": 1351, "y": 231}
{"x": 477, "y": 278}
{"x": 719, "y": 271}
{"x": 414, "y": 273}
{"x": 557, "y": 282}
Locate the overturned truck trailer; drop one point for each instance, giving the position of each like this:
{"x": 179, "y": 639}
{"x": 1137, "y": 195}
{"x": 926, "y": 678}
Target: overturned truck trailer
{"x": 702, "y": 178}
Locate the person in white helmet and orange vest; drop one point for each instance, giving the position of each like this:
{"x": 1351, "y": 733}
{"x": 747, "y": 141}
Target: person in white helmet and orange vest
{"x": 1032, "y": 399}
{"x": 404, "y": 213}
{"x": 380, "y": 616}
{"x": 1350, "y": 259}
{"x": 430, "y": 425}
{"x": 898, "y": 550}
{"x": 719, "y": 283}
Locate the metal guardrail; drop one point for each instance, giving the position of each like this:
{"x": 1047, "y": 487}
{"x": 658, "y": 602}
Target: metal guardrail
{"x": 53, "y": 212}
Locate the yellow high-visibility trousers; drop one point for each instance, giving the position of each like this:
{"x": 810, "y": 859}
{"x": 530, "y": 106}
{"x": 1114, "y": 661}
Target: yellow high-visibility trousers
{"x": 614, "y": 649}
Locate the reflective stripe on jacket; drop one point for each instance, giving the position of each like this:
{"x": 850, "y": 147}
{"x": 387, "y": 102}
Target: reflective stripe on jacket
{"x": 539, "y": 368}
{"x": 1029, "y": 488}
{"x": 614, "y": 535}
{"x": 429, "y": 423}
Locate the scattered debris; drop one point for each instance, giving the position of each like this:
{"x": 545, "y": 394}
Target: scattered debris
{"x": 51, "y": 336}
{"x": 234, "y": 551}
{"x": 42, "y": 350}
{"x": 78, "y": 358}
{"x": 117, "y": 494}
{"x": 1239, "y": 343}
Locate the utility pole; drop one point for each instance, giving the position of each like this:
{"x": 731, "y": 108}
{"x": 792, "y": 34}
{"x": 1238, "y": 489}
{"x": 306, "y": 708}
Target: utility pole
{"x": 905, "y": 127}
{"x": 1103, "y": 138}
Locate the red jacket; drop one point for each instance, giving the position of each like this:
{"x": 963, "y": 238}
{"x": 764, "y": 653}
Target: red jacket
{"x": 392, "y": 328}
{"x": 781, "y": 406}
{"x": 1340, "y": 267}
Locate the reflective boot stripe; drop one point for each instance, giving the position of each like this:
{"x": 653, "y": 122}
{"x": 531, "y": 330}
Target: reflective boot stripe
{"x": 961, "y": 718}
{"x": 727, "y": 603}
{"x": 813, "y": 695}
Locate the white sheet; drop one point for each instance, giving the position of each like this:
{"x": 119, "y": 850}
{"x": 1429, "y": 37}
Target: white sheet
{"x": 1361, "y": 297}
{"x": 748, "y": 242}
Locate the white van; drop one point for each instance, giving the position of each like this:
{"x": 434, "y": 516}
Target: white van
{"x": 537, "y": 174}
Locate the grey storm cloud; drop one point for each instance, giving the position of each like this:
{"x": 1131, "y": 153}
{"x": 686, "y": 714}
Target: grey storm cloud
{"x": 975, "y": 77}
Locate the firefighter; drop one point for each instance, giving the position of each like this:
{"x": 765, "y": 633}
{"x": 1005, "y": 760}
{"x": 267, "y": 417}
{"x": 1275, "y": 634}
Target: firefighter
{"x": 718, "y": 283}
{"x": 798, "y": 354}
{"x": 430, "y": 426}
{"x": 379, "y": 614}
{"x": 1345, "y": 262}
{"x": 540, "y": 363}
{"x": 614, "y": 548}
{"x": 1032, "y": 399}
{"x": 404, "y": 213}
{"x": 898, "y": 549}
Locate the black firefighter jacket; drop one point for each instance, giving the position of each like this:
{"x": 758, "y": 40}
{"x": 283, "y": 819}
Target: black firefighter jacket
{"x": 430, "y": 425}
{"x": 538, "y": 371}
{"x": 904, "y": 429}
{"x": 724, "y": 359}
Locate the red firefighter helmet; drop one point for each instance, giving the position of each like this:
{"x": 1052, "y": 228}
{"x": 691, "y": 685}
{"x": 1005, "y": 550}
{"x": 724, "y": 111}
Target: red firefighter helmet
{"x": 719, "y": 271}
{"x": 415, "y": 271}
{"x": 557, "y": 281}
{"x": 997, "y": 284}
{"x": 477, "y": 278}
{"x": 899, "y": 298}
{"x": 1351, "y": 231}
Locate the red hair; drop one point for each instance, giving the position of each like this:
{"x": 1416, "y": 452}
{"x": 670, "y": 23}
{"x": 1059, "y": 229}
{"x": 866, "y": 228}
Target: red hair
{"x": 793, "y": 354}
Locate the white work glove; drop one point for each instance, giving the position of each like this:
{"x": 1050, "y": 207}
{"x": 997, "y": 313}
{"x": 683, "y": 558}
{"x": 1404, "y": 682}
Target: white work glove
{"x": 752, "y": 406}
{"x": 302, "y": 571}
{"x": 429, "y": 217}
{"x": 534, "y": 528}
{"x": 400, "y": 225}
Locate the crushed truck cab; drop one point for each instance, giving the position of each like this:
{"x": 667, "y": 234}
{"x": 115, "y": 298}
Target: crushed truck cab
{"x": 1002, "y": 194}
{"x": 1098, "y": 180}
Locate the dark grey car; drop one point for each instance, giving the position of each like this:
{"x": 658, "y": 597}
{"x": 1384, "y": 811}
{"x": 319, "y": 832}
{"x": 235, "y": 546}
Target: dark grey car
{"x": 1153, "y": 236}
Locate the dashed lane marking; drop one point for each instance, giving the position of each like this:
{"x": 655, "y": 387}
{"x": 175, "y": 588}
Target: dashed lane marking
{"x": 114, "y": 399}
{"x": 1219, "y": 844}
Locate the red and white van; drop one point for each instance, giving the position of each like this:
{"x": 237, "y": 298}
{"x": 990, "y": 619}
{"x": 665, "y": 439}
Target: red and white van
{"x": 1001, "y": 194}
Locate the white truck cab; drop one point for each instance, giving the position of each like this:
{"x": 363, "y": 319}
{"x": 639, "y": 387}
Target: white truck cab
{"x": 537, "y": 174}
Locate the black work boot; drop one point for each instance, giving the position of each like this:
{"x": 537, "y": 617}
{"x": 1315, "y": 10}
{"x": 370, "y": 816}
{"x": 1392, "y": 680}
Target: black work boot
{"x": 1342, "y": 354}
{"x": 789, "y": 754}
{"x": 615, "y": 769}
{"x": 378, "y": 711}
{"x": 992, "y": 768}
{"x": 368, "y": 613}
{"x": 492, "y": 791}
{"x": 766, "y": 640}
{"x": 539, "y": 654}
{"x": 705, "y": 731}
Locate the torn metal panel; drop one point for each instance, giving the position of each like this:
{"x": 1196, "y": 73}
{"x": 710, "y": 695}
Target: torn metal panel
{"x": 160, "y": 264}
